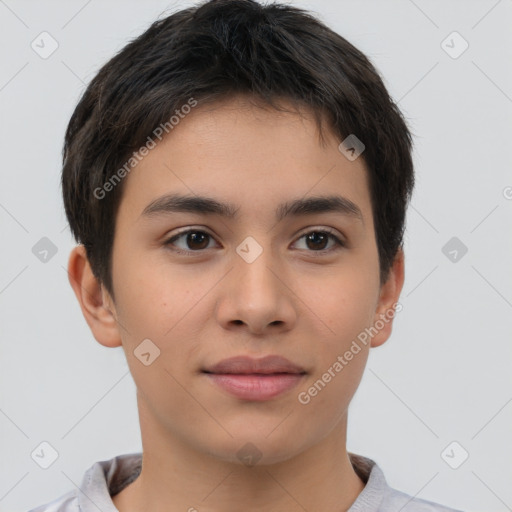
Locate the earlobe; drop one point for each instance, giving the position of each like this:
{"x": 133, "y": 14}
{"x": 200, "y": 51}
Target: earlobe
{"x": 97, "y": 307}
{"x": 388, "y": 305}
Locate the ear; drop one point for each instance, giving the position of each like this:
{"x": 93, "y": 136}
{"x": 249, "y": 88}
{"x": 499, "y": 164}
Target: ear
{"x": 96, "y": 304}
{"x": 387, "y": 306}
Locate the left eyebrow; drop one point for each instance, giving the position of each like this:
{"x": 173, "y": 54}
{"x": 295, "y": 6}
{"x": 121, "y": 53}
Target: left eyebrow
{"x": 174, "y": 203}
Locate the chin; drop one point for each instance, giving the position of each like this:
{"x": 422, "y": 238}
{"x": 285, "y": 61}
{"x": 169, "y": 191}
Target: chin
{"x": 254, "y": 450}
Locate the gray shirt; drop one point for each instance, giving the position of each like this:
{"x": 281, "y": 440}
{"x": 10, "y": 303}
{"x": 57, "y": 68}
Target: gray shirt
{"x": 106, "y": 478}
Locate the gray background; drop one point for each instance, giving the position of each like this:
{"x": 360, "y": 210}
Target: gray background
{"x": 443, "y": 376}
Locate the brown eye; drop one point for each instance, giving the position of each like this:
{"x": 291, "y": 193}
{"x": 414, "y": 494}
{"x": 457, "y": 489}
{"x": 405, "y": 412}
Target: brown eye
{"x": 196, "y": 240}
{"x": 318, "y": 241}
{"x": 192, "y": 240}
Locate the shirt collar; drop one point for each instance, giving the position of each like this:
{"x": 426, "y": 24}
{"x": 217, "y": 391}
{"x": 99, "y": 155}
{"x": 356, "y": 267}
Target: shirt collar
{"x": 109, "y": 477}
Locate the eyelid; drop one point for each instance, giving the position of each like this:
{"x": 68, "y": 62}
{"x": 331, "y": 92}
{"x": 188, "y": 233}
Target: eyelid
{"x": 322, "y": 229}
{"x": 187, "y": 229}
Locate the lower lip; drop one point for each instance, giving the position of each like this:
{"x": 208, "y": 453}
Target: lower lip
{"x": 256, "y": 386}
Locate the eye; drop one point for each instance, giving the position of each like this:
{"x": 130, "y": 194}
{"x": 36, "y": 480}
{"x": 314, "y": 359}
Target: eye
{"x": 318, "y": 239}
{"x": 196, "y": 240}
{"x": 192, "y": 240}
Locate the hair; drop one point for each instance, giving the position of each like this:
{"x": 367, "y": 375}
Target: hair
{"x": 212, "y": 52}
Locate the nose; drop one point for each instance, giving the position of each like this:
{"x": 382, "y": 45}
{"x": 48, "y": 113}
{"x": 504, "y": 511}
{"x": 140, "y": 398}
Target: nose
{"x": 257, "y": 297}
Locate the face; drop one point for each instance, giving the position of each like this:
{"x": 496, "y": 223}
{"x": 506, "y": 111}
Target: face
{"x": 255, "y": 278}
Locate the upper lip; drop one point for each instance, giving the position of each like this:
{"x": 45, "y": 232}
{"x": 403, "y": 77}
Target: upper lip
{"x": 245, "y": 364}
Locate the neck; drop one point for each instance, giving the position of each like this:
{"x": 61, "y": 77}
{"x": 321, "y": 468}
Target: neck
{"x": 177, "y": 477}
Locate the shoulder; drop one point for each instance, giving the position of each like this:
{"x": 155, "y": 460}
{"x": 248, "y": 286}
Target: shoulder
{"x": 101, "y": 481}
{"x": 66, "y": 503}
{"x": 378, "y": 496}
{"x": 397, "y": 500}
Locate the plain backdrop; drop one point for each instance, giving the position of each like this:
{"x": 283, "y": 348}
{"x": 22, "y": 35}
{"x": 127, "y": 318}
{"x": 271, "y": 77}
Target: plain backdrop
{"x": 444, "y": 375}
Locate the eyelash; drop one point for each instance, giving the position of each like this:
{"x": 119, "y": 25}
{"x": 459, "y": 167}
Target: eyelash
{"x": 339, "y": 244}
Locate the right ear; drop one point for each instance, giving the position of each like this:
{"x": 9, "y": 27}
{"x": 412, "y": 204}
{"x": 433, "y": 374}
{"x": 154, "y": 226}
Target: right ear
{"x": 96, "y": 304}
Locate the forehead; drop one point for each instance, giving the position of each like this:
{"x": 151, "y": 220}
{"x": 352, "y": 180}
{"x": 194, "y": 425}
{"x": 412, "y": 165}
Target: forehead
{"x": 246, "y": 155}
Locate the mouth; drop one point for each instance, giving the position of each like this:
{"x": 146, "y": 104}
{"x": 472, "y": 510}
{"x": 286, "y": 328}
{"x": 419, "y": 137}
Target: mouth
{"x": 255, "y": 379}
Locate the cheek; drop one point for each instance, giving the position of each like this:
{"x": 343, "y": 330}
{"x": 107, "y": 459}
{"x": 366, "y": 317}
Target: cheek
{"x": 341, "y": 358}
{"x": 151, "y": 296}
{"x": 165, "y": 306}
{"x": 156, "y": 305}
{"x": 343, "y": 300}
{"x": 345, "y": 305}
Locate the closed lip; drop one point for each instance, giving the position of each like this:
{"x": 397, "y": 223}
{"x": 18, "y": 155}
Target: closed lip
{"x": 248, "y": 365}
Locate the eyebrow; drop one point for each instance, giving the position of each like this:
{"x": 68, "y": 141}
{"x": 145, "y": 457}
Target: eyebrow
{"x": 175, "y": 203}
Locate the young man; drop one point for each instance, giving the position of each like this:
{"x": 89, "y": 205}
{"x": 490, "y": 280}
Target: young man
{"x": 237, "y": 178}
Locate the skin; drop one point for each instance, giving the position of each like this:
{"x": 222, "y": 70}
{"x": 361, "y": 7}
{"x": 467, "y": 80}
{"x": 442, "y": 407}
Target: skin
{"x": 212, "y": 305}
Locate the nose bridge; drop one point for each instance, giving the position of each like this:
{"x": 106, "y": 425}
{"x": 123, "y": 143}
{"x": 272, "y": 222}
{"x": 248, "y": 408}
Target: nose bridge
{"x": 254, "y": 293}
{"x": 254, "y": 275}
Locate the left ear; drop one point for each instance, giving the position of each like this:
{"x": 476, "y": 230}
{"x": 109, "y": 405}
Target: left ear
{"x": 388, "y": 299}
